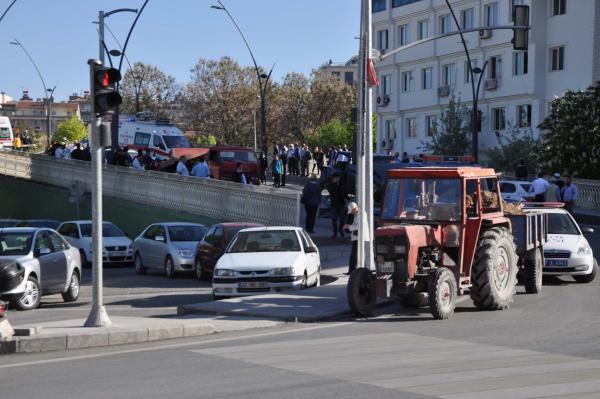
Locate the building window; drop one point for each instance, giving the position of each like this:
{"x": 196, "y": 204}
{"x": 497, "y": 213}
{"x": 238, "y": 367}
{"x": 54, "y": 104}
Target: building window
{"x": 390, "y": 129}
{"x": 448, "y": 75}
{"x": 403, "y": 35}
{"x": 445, "y": 24}
{"x": 524, "y": 116}
{"x": 491, "y": 14}
{"x": 512, "y": 4}
{"x": 386, "y": 85}
{"x": 349, "y": 78}
{"x": 335, "y": 74}
{"x": 498, "y": 119}
{"x": 379, "y": 5}
{"x": 495, "y": 68}
{"x": 520, "y": 63}
{"x": 382, "y": 39}
{"x": 408, "y": 82}
{"x": 467, "y": 18}
{"x": 423, "y": 29}
{"x": 431, "y": 121}
{"x": 559, "y": 7}
{"x": 398, "y": 3}
{"x": 426, "y": 78}
{"x": 411, "y": 127}
{"x": 557, "y": 58}
{"x": 467, "y": 72}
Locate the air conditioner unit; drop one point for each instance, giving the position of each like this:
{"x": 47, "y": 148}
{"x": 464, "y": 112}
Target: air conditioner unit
{"x": 443, "y": 91}
{"x": 491, "y": 84}
{"x": 386, "y": 100}
{"x": 485, "y": 33}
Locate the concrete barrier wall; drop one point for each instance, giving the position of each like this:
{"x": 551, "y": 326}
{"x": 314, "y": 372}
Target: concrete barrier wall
{"x": 212, "y": 198}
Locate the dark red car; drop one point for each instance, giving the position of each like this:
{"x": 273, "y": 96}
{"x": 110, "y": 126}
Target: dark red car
{"x": 213, "y": 245}
{"x": 223, "y": 161}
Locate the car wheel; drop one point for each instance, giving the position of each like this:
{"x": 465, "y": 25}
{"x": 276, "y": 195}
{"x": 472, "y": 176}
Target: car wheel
{"x": 31, "y": 297}
{"x": 201, "y": 272}
{"x": 138, "y": 264}
{"x": 588, "y": 278}
{"x": 304, "y": 280}
{"x": 72, "y": 292}
{"x": 169, "y": 267}
{"x": 318, "y": 282}
{"x": 84, "y": 262}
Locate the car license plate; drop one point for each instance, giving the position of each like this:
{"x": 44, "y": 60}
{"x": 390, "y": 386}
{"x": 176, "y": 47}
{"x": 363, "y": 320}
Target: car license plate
{"x": 254, "y": 284}
{"x": 556, "y": 263}
{"x": 386, "y": 267}
{"x": 116, "y": 253}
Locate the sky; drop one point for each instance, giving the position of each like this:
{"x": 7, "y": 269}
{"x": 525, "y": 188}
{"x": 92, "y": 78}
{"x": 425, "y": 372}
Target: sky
{"x": 295, "y": 35}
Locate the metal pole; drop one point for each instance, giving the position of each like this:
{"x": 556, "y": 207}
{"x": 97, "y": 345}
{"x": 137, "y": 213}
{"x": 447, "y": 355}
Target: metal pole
{"x": 254, "y": 115}
{"x": 360, "y": 142}
{"x": 369, "y": 255}
{"x": 98, "y": 316}
{"x": 48, "y": 117}
{"x": 101, "y": 36}
{"x": 6, "y": 11}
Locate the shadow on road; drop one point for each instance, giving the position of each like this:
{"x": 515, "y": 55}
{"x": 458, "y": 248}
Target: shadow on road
{"x": 164, "y": 301}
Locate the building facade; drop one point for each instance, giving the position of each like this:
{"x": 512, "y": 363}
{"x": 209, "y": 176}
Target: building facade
{"x": 517, "y": 86}
{"x": 347, "y": 71}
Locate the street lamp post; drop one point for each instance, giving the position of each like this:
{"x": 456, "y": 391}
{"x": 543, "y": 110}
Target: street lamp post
{"x": 262, "y": 78}
{"x": 47, "y": 92}
{"x": 6, "y": 11}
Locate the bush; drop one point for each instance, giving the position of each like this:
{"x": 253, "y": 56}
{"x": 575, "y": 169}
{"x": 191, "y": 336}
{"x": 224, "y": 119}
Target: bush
{"x": 514, "y": 145}
{"x": 73, "y": 130}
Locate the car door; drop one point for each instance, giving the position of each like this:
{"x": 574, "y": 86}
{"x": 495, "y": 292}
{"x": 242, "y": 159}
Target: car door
{"x": 143, "y": 245}
{"x": 157, "y": 247}
{"x": 50, "y": 263}
{"x": 217, "y": 246}
{"x": 204, "y": 247}
{"x": 63, "y": 260}
{"x": 311, "y": 257}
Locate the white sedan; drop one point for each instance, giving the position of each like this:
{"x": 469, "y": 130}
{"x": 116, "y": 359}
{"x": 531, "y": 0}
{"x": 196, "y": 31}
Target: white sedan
{"x": 515, "y": 190}
{"x": 267, "y": 259}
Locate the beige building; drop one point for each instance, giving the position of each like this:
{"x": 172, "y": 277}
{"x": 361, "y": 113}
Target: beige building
{"x": 347, "y": 71}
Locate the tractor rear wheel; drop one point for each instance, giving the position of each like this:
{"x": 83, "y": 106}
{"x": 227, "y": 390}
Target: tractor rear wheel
{"x": 442, "y": 293}
{"x": 361, "y": 292}
{"x": 533, "y": 272}
{"x": 494, "y": 271}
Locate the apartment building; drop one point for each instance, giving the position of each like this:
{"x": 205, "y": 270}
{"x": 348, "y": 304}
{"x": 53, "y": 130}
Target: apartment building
{"x": 517, "y": 86}
{"x": 347, "y": 71}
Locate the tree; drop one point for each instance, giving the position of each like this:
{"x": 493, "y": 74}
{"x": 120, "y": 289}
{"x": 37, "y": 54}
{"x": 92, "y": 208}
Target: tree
{"x": 73, "y": 130}
{"x": 145, "y": 87}
{"x": 514, "y": 145}
{"x": 571, "y": 142}
{"x": 335, "y": 132}
{"x": 330, "y": 97}
{"x": 452, "y": 134}
{"x": 207, "y": 140}
{"x": 290, "y": 106}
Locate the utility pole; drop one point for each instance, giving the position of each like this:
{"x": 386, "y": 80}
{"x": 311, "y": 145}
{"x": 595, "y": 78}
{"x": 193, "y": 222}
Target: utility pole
{"x": 369, "y": 254}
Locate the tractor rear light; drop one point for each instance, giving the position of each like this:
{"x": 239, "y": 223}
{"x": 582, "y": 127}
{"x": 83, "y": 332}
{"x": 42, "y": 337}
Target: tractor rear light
{"x": 2, "y": 308}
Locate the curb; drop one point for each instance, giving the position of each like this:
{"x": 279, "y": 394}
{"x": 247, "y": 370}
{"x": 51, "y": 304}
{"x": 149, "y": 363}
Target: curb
{"x": 102, "y": 337}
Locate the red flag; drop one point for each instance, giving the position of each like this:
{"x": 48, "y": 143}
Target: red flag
{"x": 371, "y": 75}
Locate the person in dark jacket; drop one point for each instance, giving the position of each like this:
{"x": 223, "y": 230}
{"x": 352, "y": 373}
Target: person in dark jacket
{"x": 76, "y": 153}
{"x": 311, "y": 198}
{"x": 86, "y": 154}
{"x": 521, "y": 172}
{"x": 337, "y": 197}
{"x": 264, "y": 164}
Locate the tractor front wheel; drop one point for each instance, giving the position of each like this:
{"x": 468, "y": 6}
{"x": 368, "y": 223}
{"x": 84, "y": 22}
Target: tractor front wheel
{"x": 442, "y": 293}
{"x": 361, "y": 292}
{"x": 494, "y": 271}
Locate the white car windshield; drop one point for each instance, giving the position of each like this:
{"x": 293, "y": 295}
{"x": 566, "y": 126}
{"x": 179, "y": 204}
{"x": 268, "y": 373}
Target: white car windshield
{"x": 15, "y": 243}
{"x": 561, "y": 223}
{"x": 265, "y": 241}
{"x": 108, "y": 230}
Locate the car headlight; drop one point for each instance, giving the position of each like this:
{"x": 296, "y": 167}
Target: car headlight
{"x": 225, "y": 273}
{"x": 185, "y": 253}
{"x": 584, "y": 250}
{"x": 283, "y": 271}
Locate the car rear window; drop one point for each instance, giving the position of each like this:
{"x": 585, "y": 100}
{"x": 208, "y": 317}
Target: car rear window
{"x": 237, "y": 156}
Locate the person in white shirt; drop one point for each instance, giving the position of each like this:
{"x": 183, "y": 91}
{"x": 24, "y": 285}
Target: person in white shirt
{"x": 201, "y": 169}
{"x": 353, "y": 211}
{"x": 538, "y": 188}
{"x": 138, "y": 163}
{"x": 59, "y": 152}
{"x": 182, "y": 169}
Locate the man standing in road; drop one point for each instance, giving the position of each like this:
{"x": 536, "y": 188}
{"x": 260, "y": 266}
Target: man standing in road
{"x": 77, "y": 153}
{"x": 201, "y": 169}
{"x": 182, "y": 169}
{"x": 276, "y": 169}
{"x": 17, "y": 142}
{"x": 570, "y": 193}
{"x": 521, "y": 171}
{"x": 264, "y": 164}
{"x": 353, "y": 227}
{"x": 138, "y": 162}
{"x": 538, "y": 188}
{"x": 337, "y": 197}
{"x": 311, "y": 198}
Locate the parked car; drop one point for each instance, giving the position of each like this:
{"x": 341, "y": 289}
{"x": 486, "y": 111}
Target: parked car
{"x": 212, "y": 246}
{"x": 567, "y": 251}
{"x": 117, "y": 246}
{"x": 170, "y": 247}
{"x": 267, "y": 259}
{"x": 48, "y": 223}
{"x": 515, "y": 190}
{"x": 50, "y": 265}
{"x": 8, "y": 222}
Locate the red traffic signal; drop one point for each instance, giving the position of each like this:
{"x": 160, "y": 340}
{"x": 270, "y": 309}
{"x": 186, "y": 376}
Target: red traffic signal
{"x": 104, "y": 89}
{"x": 107, "y": 76}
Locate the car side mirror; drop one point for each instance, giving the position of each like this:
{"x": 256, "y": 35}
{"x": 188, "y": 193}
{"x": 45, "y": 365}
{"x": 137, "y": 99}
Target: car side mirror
{"x": 42, "y": 252}
{"x": 587, "y": 231}
{"x": 159, "y": 238}
{"x": 310, "y": 250}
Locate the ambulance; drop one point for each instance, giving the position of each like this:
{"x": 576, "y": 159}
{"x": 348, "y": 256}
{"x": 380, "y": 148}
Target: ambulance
{"x": 6, "y": 133}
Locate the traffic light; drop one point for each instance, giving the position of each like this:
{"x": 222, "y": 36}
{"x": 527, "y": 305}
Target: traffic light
{"x": 520, "y": 39}
{"x": 104, "y": 89}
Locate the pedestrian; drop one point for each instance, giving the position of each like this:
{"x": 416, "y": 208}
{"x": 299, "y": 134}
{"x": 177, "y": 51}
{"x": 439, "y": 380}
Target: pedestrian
{"x": 330, "y": 156}
{"x": 521, "y": 172}
{"x": 353, "y": 227}
{"x": 150, "y": 160}
{"x": 319, "y": 159}
{"x": 77, "y": 153}
{"x": 86, "y": 154}
{"x": 275, "y": 150}
{"x": 311, "y": 198}
{"x": 59, "y": 152}
{"x": 264, "y": 164}
{"x": 284, "y": 166}
{"x": 538, "y": 188}
{"x": 306, "y": 158}
{"x": 240, "y": 176}
{"x": 555, "y": 189}
{"x": 337, "y": 199}
{"x": 569, "y": 194}
{"x": 201, "y": 169}
{"x": 292, "y": 160}
{"x": 276, "y": 169}
{"x": 182, "y": 169}
{"x": 16, "y": 143}
{"x": 138, "y": 162}
{"x": 405, "y": 158}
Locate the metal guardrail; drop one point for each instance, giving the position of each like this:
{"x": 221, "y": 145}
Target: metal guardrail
{"x": 213, "y": 198}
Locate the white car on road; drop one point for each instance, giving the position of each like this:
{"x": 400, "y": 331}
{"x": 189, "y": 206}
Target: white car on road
{"x": 515, "y": 190}
{"x": 567, "y": 251}
{"x": 117, "y": 246}
{"x": 267, "y": 259}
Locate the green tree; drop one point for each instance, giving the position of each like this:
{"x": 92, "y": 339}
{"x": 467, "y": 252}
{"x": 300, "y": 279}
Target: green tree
{"x": 332, "y": 133}
{"x": 206, "y": 140}
{"x": 145, "y": 87}
{"x": 73, "y": 130}
{"x": 514, "y": 145}
{"x": 453, "y": 131}
{"x": 571, "y": 141}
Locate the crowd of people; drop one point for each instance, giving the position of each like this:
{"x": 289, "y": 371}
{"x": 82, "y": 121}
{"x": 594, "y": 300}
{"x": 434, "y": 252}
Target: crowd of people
{"x": 555, "y": 190}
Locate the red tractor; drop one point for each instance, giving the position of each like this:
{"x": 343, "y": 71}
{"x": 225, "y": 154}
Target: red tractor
{"x": 443, "y": 232}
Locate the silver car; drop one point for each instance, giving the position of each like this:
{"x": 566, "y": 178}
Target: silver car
{"x": 50, "y": 265}
{"x": 170, "y": 247}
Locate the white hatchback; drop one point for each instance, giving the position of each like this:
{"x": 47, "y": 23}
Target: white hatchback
{"x": 267, "y": 259}
{"x": 515, "y": 190}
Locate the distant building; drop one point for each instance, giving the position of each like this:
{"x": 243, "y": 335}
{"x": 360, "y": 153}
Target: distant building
{"x": 85, "y": 106}
{"x": 4, "y": 98}
{"x": 347, "y": 71}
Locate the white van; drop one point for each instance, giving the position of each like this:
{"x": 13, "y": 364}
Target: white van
{"x": 161, "y": 136}
{"x": 6, "y": 133}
